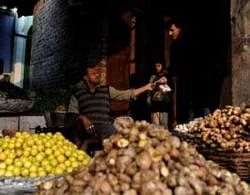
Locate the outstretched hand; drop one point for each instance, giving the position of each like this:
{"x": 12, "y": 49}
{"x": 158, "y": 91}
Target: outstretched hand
{"x": 162, "y": 80}
{"x": 149, "y": 86}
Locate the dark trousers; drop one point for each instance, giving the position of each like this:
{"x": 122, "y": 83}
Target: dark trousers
{"x": 77, "y": 134}
{"x": 183, "y": 100}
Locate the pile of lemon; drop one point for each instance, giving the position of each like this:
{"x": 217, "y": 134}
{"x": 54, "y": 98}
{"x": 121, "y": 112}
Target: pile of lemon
{"x": 38, "y": 155}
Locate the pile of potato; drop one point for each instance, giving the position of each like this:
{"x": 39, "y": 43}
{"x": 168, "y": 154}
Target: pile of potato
{"x": 227, "y": 129}
{"x": 145, "y": 159}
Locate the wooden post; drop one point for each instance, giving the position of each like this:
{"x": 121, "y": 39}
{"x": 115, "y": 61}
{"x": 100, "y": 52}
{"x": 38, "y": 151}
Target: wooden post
{"x": 132, "y": 64}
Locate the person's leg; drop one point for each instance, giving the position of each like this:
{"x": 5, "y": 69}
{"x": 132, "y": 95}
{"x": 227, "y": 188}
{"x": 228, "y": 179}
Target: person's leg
{"x": 91, "y": 144}
{"x": 104, "y": 130}
{"x": 155, "y": 118}
{"x": 163, "y": 116}
{"x": 94, "y": 142}
{"x": 182, "y": 101}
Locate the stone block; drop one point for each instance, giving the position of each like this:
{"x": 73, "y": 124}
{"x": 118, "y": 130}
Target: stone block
{"x": 31, "y": 122}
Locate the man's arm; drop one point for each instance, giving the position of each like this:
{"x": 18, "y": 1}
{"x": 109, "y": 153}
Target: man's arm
{"x": 74, "y": 109}
{"x": 129, "y": 93}
{"x": 72, "y": 115}
{"x": 140, "y": 90}
{"x": 73, "y": 105}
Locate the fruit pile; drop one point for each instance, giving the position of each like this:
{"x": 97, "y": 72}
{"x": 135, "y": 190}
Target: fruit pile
{"x": 38, "y": 155}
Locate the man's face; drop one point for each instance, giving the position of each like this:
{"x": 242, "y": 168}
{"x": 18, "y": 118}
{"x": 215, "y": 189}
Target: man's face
{"x": 174, "y": 32}
{"x": 93, "y": 76}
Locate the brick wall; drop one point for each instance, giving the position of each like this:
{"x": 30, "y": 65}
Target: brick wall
{"x": 63, "y": 40}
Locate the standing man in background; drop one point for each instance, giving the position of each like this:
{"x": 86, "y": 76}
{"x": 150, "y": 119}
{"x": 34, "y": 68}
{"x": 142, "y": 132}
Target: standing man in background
{"x": 183, "y": 66}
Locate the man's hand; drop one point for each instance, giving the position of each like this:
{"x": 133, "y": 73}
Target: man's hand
{"x": 149, "y": 86}
{"x": 140, "y": 90}
{"x": 88, "y": 125}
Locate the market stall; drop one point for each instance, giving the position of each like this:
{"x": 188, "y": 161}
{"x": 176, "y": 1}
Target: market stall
{"x": 141, "y": 158}
{"x": 146, "y": 159}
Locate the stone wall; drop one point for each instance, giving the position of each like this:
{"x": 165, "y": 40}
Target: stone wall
{"x": 27, "y": 123}
{"x": 240, "y": 29}
{"x": 64, "y": 39}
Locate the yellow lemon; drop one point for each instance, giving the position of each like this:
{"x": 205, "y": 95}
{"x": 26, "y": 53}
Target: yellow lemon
{"x": 4, "y": 145}
{"x": 53, "y": 162}
{"x": 2, "y": 165}
{"x": 54, "y": 148}
{"x": 16, "y": 171}
{"x": 68, "y": 153}
{"x": 33, "y": 168}
{"x": 67, "y": 163}
{"x": 24, "y": 172}
{"x": 11, "y": 145}
{"x": 69, "y": 169}
{"x": 48, "y": 168}
{"x": 48, "y": 151}
{"x": 30, "y": 142}
{"x": 39, "y": 157}
{"x": 8, "y": 161}
{"x": 19, "y": 152}
{"x": 3, "y": 156}
{"x": 72, "y": 159}
{"x": 58, "y": 170}
{"x": 2, "y": 172}
{"x": 12, "y": 155}
{"x": 18, "y": 134}
{"x": 10, "y": 168}
{"x": 18, "y": 144}
{"x": 49, "y": 134}
{"x": 41, "y": 173}
{"x": 62, "y": 166}
{"x": 33, "y": 174}
{"x": 40, "y": 148}
{"x": 75, "y": 164}
{"x": 34, "y": 152}
{"x": 80, "y": 157}
{"x": 45, "y": 162}
{"x": 39, "y": 142}
{"x": 57, "y": 152}
{"x": 18, "y": 163}
{"x": 61, "y": 158}
{"x": 48, "y": 144}
{"x": 9, "y": 173}
{"x": 85, "y": 162}
{"x": 27, "y": 164}
{"x": 26, "y": 153}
